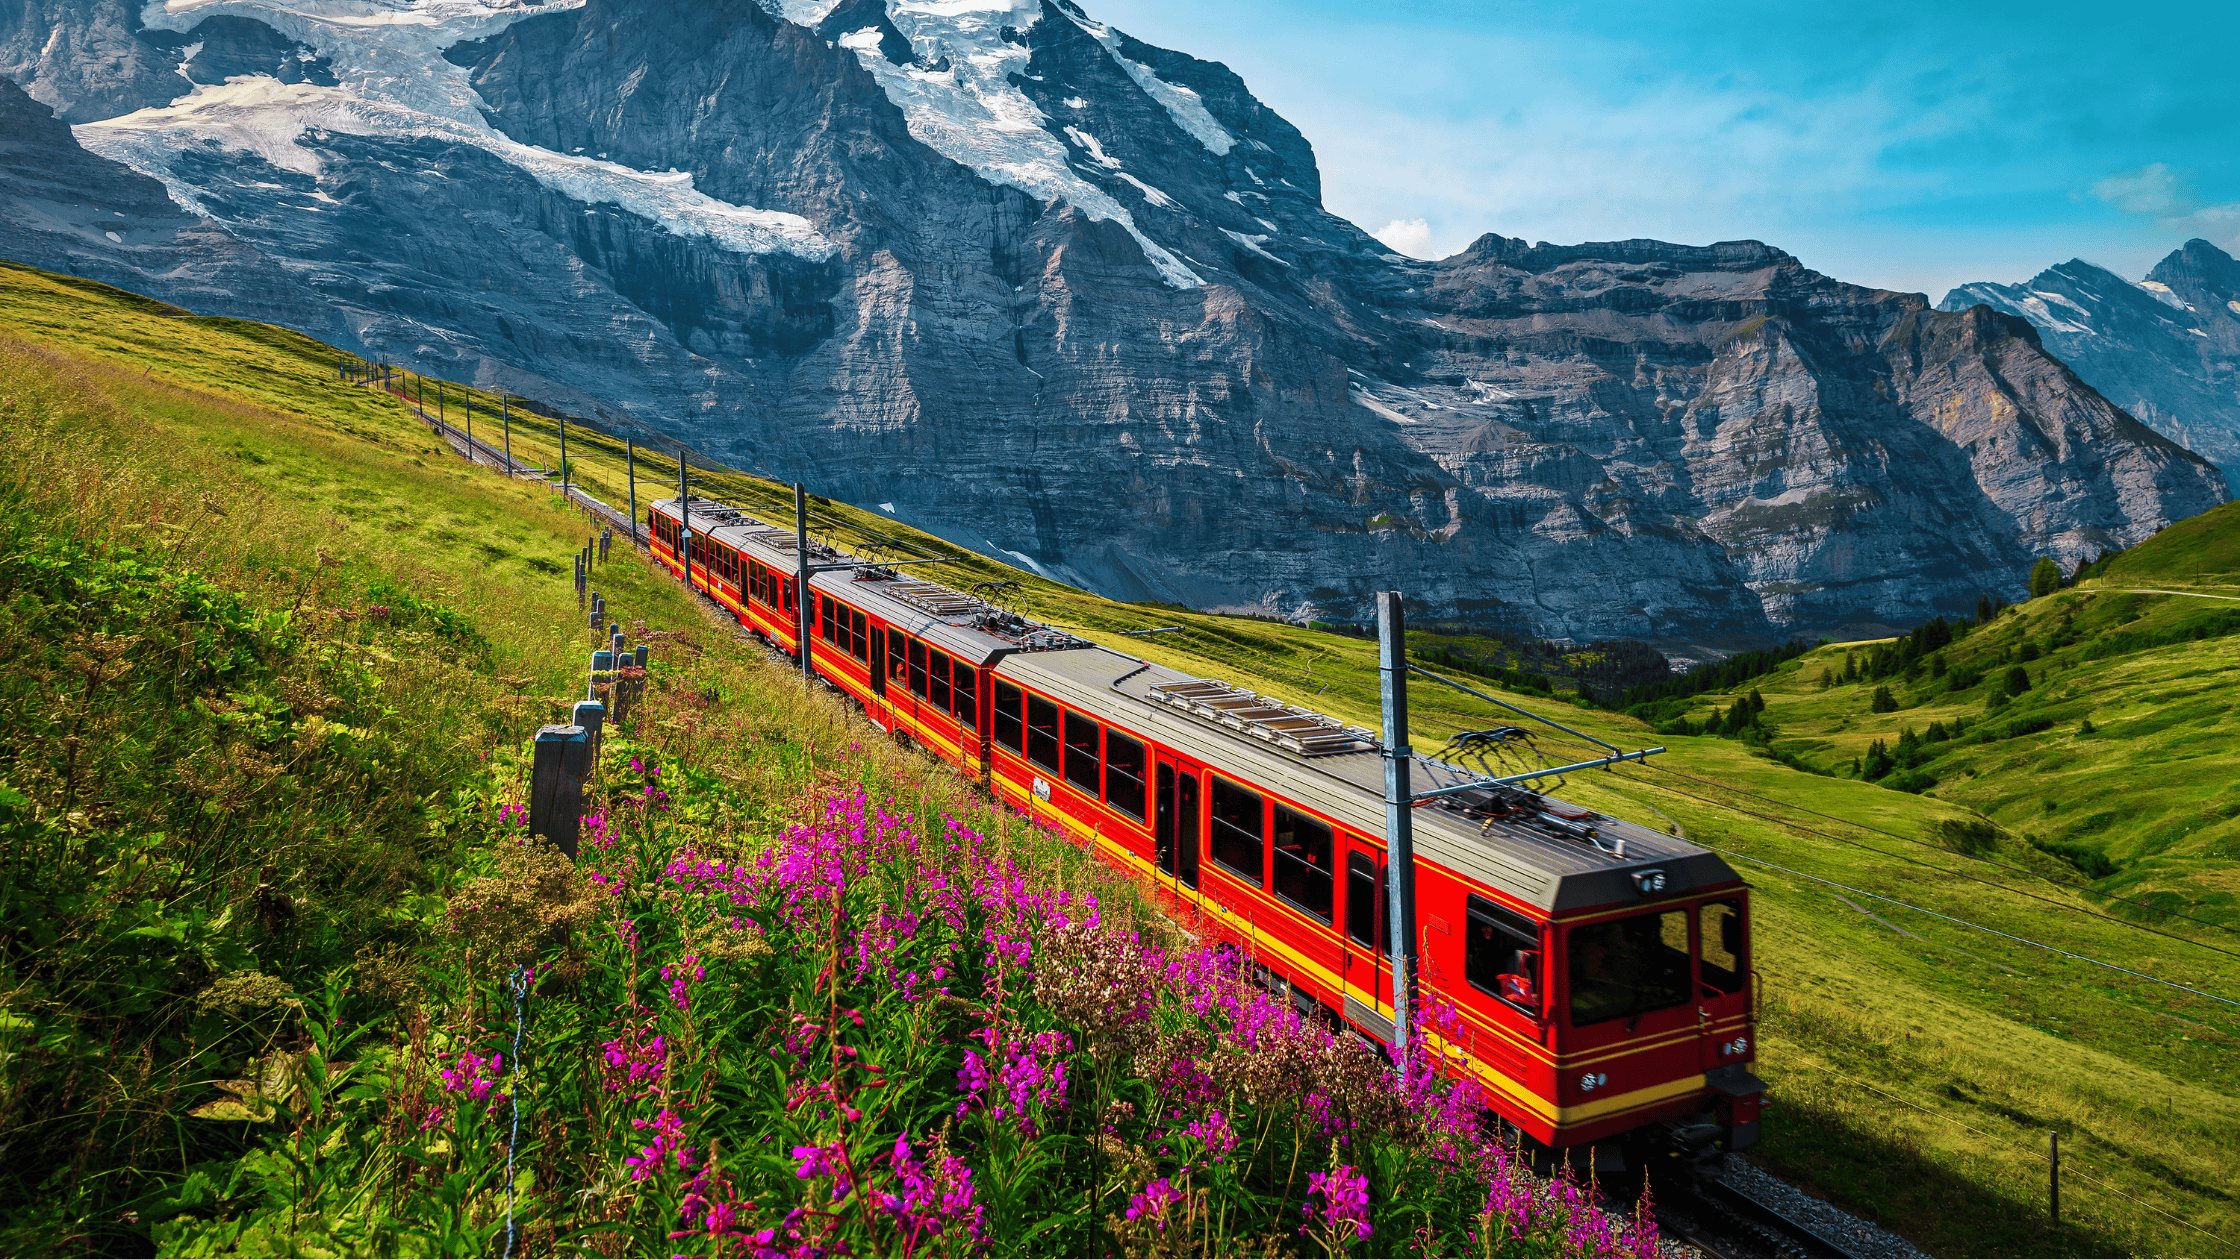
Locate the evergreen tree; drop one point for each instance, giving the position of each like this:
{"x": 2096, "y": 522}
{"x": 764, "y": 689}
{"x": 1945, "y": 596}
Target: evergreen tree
{"x": 1983, "y": 608}
{"x": 2018, "y": 681}
{"x": 1883, "y": 701}
{"x": 2045, "y": 578}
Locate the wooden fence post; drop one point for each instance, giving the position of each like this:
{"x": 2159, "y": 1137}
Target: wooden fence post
{"x": 556, "y": 777}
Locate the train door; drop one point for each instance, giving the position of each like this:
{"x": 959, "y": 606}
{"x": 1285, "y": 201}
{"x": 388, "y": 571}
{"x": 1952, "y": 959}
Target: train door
{"x": 1723, "y": 983}
{"x": 1365, "y": 947}
{"x": 1175, "y": 828}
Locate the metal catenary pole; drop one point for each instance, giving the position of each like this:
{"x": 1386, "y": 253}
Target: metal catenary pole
{"x": 469, "y": 402}
{"x": 1399, "y": 824}
{"x": 564, "y": 476}
{"x": 805, "y": 626}
{"x": 505, "y": 414}
{"x": 630, "y": 459}
{"x": 684, "y": 515}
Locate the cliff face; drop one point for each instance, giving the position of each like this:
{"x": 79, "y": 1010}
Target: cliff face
{"x": 1060, "y": 295}
{"x": 2165, "y": 349}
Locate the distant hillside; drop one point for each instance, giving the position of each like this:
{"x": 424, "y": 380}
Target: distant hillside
{"x": 2095, "y": 725}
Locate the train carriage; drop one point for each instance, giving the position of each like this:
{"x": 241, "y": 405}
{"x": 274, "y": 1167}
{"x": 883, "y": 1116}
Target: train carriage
{"x": 1597, "y": 971}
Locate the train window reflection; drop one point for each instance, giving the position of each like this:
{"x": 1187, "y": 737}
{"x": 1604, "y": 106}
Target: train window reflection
{"x": 1042, "y": 733}
{"x": 1084, "y": 767}
{"x": 1365, "y": 903}
{"x": 1503, "y": 955}
{"x": 1008, "y": 726}
{"x": 937, "y": 678}
{"x": 1123, "y": 773}
{"x": 964, "y": 702}
{"x": 1303, "y": 873}
{"x": 1628, "y": 967}
{"x": 1723, "y": 963}
{"x": 1239, "y": 828}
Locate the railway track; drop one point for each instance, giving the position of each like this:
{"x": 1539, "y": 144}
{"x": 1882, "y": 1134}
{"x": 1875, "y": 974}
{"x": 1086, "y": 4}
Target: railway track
{"x": 1720, "y": 1220}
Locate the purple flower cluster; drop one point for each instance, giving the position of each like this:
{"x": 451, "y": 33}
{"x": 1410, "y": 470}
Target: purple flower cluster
{"x": 1345, "y": 1204}
{"x": 668, "y": 1146}
{"x": 473, "y": 1075}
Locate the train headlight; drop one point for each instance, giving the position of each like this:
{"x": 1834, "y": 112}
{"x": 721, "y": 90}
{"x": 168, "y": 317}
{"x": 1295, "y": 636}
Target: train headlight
{"x": 1647, "y": 883}
{"x": 1588, "y": 1082}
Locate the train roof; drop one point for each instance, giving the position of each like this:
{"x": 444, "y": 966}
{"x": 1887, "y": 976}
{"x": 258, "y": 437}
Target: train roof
{"x": 1335, "y": 769}
{"x": 1540, "y": 867}
{"x": 965, "y": 626}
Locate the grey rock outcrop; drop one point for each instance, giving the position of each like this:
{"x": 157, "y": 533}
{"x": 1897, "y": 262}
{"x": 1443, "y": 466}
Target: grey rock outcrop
{"x": 1059, "y": 295}
{"x": 2165, "y": 349}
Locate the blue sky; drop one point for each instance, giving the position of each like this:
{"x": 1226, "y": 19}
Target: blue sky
{"x": 1906, "y": 146}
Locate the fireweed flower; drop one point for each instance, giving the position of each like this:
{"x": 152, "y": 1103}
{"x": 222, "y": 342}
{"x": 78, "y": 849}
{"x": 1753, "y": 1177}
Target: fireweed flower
{"x": 667, "y": 1146}
{"x": 1345, "y": 1203}
{"x": 1152, "y": 1202}
{"x": 473, "y": 1075}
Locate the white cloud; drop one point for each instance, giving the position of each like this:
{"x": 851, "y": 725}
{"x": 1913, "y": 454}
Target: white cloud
{"x": 1407, "y": 236}
{"x": 2152, "y": 189}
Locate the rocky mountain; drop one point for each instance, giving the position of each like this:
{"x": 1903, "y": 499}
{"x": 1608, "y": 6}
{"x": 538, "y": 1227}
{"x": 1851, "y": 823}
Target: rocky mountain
{"x": 2166, "y": 348}
{"x": 1060, "y": 295}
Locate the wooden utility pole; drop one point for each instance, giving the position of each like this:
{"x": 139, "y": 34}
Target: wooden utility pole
{"x": 1399, "y": 822}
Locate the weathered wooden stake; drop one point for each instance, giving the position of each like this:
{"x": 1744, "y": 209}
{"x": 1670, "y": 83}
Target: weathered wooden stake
{"x": 557, "y": 772}
{"x": 2053, "y": 1186}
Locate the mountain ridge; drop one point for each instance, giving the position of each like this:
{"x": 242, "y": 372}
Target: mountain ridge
{"x": 2166, "y": 348}
{"x": 1059, "y": 295}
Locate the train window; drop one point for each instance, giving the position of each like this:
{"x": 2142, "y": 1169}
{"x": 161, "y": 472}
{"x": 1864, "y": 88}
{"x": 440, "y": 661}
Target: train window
{"x": 1009, "y": 728}
{"x": 859, "y": 641}
{"x": 1365, "y": 903}
{"x": 898, "y": 660}
{"x": 1239, "y": 827}
{"x": 1724, "y": 941}
{"x": 937, "y": 679}
{"x": 1628, "y": 967}
{"x": 878, "y": 660}
{"x": 918, "y": 668}
{"x": 1123, "y": 774}
{"x": 1042, "y": 733}
{"x": 1084, "y": 762}
{"x": 1302, "y": 860}
{"x": 824, "y": 617}
{"x": 1503, "y": 955}
{"x": 964, "y": 701}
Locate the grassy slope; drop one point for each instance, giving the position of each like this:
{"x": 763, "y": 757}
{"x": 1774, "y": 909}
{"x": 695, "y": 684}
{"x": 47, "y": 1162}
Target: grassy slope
{"x": 2146, "y": 1101}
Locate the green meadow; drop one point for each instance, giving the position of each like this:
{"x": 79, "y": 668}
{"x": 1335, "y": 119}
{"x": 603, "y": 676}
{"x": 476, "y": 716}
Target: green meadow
{"x": 1917, "y": 1062}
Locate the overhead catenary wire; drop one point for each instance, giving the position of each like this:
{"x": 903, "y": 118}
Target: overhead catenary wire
{"x": 1941, "y": 870}
{"x": 2051, "y": 949}
{"x": 1970, "y": 856}
{"x": 1937, "y": 1115}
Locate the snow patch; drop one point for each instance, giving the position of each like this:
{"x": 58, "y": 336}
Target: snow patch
{"x": 114, "y": 237}
{"x": 1362, "y": 395}
{"x": 265, "y": 117}
{"x": 1075, "y": 102}
{"x": 859, "y": 41}
{"x": 1150, "y": 194}
{"x": 1186, "y": 106}
{"x": 1253, "y": 243}
{"x": 1096, "y": 151}
{"x": 2234, "y": 307}
{"x": 973, "y": 113}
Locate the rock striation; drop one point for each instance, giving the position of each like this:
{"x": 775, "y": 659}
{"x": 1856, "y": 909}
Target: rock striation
{"x": 2166, "y": 348}
{"x": 1061, "y": 296}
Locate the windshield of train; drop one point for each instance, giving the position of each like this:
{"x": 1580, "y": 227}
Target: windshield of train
{"x": 1625, "y": 967}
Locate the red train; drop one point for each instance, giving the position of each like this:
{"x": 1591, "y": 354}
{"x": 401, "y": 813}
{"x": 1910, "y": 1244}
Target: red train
{"x": 1600, "y": 970}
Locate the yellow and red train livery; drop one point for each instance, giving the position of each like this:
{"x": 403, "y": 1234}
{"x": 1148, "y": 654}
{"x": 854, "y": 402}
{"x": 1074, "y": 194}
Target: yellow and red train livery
{"x": 1600, "y": 970}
